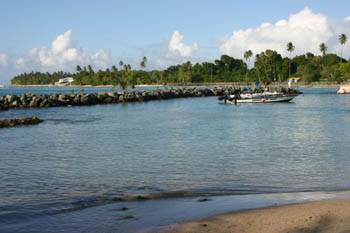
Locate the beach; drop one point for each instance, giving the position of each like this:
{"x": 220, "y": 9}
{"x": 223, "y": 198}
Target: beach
{"x": 331, "y": 216}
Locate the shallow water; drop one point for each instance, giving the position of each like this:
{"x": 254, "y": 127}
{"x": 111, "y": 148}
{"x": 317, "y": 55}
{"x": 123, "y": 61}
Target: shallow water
{"x": 90, "y": 156}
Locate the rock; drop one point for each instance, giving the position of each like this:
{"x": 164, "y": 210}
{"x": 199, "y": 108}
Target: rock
{"x": 204, "y": 199}
{"x": 10, "y": 98}
{"x": 345, "y": 89}
{"x": 32, "y": 104}
{"x": 108, "y": 100}
{"x": 111, "y": 94}
{"x": 22, "y": 121}
{"x": 85, "y": 99}
{"x": 101, "y": 97}
{"x": 63, "y": 99}
{"x": 15, "y": 103}
{"x": 24, "y": 100}
{"x": 121, "y": 98}
{"x": 4, "y": 107}
{"x": 76, "y": 100}
{"x": 44, "y": 104}
{"x": 93, "y": 99}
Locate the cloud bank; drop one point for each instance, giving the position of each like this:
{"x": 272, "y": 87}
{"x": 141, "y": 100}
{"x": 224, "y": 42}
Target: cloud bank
{"x": 176, "y": 45}
{"x": 172, "y": 51}
{"x": 61, "y": 55}
{"x": 306, "y": 30}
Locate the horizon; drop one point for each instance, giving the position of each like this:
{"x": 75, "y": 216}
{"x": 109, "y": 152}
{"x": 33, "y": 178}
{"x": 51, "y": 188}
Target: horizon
{"x": 62, "y": 43}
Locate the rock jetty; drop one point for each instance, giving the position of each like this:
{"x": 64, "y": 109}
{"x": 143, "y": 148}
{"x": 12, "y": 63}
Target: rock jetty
{"x": 54, "y": 100}
{"x": 21, "y": 121}
{"x": 345, "y": 89}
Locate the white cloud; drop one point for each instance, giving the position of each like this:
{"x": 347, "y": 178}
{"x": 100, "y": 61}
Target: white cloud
{"x": 3, "y": 59}
{"x": 62, "y": 55}
{"x": 62, "y": 42}
{"x": 306, "y": 30}
{"x": 176, "y": 45}
{"x": 170, "y": 51}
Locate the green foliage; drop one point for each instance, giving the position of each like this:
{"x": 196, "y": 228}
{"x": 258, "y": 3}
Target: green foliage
{"x": 330, "y": 60}
{"x": 344, "y": 71}
{"x": 331, "y": 73}
{"x": 269, "y": 66}
{"x": 309, "y": 73}
{"x": 38, "y": 78}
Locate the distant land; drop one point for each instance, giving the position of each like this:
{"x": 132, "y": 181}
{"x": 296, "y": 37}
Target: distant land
{"x": 269, "y": 67}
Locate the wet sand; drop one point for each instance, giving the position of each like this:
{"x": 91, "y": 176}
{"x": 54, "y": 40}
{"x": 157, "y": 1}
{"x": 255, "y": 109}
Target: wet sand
{"x": 332, "y": 216}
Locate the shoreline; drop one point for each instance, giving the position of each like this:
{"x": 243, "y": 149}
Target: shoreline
{"x": 193, "y": 84}
{"x": 328, "y": 216}
{"x": 169, "y": 214}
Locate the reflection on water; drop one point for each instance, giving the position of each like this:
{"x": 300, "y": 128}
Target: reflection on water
{"x": 92, "y": 155}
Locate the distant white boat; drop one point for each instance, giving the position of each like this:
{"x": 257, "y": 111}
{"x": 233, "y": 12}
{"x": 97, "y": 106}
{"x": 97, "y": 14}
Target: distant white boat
{"x": 2, "y": 86}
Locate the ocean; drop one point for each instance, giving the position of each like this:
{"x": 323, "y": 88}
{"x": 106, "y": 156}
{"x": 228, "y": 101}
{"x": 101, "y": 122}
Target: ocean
{"x": 121, "y": 167}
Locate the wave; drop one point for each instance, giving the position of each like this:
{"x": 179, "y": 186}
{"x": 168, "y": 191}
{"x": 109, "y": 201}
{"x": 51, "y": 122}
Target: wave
{"x": 20, "y": 211}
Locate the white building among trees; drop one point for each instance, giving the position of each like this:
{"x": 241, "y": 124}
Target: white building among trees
{"x": 64, "y": 81}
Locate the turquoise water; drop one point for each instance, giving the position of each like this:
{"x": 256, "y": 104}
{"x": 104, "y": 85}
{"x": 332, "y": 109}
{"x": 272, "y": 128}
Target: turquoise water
{"x": 89, "y": 156}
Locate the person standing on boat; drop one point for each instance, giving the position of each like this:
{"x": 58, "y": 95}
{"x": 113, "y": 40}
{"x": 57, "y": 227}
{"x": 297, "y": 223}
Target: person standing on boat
{"x": 236, "y": 96}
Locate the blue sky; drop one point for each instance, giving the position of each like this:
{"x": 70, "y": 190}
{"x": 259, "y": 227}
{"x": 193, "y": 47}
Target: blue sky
{"x": 131, "y": 29}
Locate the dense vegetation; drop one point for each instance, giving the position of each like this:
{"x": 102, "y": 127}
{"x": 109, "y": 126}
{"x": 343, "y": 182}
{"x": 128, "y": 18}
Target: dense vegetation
{"x": 269, "y": 66}
{"x": 37, "y": 78}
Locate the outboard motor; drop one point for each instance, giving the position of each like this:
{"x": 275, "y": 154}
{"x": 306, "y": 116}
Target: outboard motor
{"x": 222, "y": 97}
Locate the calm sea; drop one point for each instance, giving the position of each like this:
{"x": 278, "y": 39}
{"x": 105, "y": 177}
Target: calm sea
{"x": 81, "y": 158}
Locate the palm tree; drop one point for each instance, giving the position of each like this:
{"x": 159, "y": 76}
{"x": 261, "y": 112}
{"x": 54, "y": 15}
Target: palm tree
{"x": 114, "y": 76}
{"x": 143, "y": 62}
{"x": 91, "y": 71}
{"x": 342, "y": 39}
{"x": 290, "y": 49}
{"x": 247, "y": 55}
{"x": 323, "y": 49}
{"x": 78, "y": 68}
{"x": 114, "y": 69}
{"x": 123, "y": 82}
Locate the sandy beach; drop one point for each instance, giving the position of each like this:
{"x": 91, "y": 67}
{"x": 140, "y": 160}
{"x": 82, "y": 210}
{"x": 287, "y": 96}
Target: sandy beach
{"x": 331, "y": 216}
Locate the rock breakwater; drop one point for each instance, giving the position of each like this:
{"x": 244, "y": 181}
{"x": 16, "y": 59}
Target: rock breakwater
{"x": 55, "y": 100}
{"x": 21, "y": 121}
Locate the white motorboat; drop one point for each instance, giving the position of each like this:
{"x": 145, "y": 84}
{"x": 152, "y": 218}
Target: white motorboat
{"x": 2, "y": 86}
{"x": 265, "y": 97}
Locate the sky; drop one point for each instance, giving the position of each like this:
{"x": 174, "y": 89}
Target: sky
{"x": 48, "y": 36}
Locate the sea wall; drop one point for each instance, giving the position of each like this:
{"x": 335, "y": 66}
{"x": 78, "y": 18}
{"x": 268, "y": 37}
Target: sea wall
{"x": 54, "y": 100}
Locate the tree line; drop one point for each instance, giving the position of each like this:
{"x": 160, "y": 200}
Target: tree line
{"x": 269, "y": 66}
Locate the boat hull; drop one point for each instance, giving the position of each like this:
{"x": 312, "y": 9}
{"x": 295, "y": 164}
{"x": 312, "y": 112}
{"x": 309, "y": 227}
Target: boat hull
{"x": 266, "y": 99}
